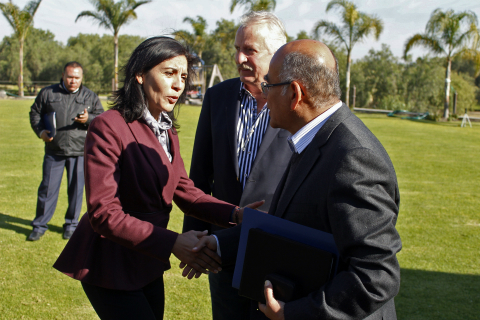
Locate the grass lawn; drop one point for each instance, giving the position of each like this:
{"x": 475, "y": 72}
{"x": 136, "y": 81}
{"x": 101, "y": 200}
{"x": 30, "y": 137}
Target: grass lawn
{"x": 439, "y": 222}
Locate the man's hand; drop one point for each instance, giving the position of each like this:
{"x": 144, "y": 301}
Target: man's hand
{"x": 253, "y": 205}
{"x": 273, "y": 309}
{"x": 45, "y": 137}
{"x": 208, "y": 245}
{"x": 82, "y": 118}
{"x": 198, "y": 261}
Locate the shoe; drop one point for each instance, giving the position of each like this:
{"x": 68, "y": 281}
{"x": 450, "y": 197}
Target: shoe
{"x": 67, "y": 234}
{"x": 34, "y": 236}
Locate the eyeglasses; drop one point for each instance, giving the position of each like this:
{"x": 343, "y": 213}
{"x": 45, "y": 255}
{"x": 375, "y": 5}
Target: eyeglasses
{"x": 266, "y": 86}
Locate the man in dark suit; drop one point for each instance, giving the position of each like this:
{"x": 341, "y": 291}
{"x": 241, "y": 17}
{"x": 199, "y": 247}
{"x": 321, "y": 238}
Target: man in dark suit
{"x": 340, "y": 180}
{"x": 237, "y": 156}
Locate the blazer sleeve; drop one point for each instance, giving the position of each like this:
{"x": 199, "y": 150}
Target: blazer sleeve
{"x": 201, "y": 168}
{"x": 103, "y": 156}
{"x": 362, "y": 210}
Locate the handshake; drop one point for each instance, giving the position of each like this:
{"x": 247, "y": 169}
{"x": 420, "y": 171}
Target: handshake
{"x": 197, "y": 251}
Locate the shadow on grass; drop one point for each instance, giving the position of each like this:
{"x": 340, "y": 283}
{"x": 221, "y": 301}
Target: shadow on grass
{"x": 17, "y": 224}
{"x": 438, "y": 295}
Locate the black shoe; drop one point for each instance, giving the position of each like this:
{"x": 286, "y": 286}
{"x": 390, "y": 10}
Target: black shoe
{"x": 67, "y": 234}
{"x": 34, "y": 236}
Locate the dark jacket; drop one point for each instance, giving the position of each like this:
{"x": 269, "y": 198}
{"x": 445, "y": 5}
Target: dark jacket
{"x": 70, "y": 136}
{"x": 343, "y": 184}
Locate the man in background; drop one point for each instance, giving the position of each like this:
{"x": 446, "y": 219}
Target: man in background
{"x": 75, "y": 107}
{"x": 237, "y": 156}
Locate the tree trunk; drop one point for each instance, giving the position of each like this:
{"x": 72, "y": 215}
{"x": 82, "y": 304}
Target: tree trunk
{"x": 447, "y": 88}
{"x": 347, "y": 80}
{"x": 20, "y": 76}
{"x": 115, "y": 60}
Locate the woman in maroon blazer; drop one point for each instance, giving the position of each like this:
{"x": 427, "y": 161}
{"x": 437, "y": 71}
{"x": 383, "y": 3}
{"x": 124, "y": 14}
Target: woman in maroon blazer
{"x": 133, "y": 171}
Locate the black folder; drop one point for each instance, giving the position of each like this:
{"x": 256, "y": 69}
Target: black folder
{"x": 295, "y": 269}
{"x": 50, "y": 123}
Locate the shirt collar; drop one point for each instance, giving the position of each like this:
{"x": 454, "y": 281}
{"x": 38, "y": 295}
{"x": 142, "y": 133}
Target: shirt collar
{"x": 63, "y": 85}
{"x": 244, "y": 91}
{"x": 164, "y": 122}
{"x": 302, "y": 138}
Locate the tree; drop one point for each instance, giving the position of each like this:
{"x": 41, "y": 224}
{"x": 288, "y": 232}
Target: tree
{"x": 113, "y": 15}
{"x": 21, "y": 21}
{"x": 220, "y": 48}
{"x": 198, "y": 39}
{"x": 447, "y": 33}
{"x": 302, "y": 34}
{"x": 355, "y": 27}
{"x": 254, "y": 5}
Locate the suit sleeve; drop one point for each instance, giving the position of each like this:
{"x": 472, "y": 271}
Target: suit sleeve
{"x": 201, "y": 169}
{"x": 362, "y": 210}
{"x": 103, "y": 157}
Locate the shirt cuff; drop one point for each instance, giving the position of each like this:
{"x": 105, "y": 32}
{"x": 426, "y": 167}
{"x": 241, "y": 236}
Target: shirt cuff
{"x": 218, "y": 246}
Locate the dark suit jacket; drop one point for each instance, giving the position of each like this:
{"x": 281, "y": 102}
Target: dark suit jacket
{"x": 214, "y": 167}
{"x": 122, "y": 242}
{"x": 344, "y": 184}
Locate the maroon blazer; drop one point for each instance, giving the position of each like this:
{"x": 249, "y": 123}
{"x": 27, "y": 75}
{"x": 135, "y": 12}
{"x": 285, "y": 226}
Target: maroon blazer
{"x": 123, "y": 242}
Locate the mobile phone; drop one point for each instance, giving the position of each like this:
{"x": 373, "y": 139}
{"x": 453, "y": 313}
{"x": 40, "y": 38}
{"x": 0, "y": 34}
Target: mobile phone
{"x": 80, "y": 113}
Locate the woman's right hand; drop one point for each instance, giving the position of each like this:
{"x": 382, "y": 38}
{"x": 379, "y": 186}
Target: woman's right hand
{"x": 202, "y": 261}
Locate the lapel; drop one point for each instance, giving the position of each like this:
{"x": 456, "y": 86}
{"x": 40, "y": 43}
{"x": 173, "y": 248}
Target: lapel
{"x": 311, "y": 156}
{"x": 267, "y": 140}
{"x": 231, "y": 108}
{"x": 156, "y": 156}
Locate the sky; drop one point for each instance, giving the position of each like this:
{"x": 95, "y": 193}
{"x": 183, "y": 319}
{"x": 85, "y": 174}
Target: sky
{"x": 402, "y": 18}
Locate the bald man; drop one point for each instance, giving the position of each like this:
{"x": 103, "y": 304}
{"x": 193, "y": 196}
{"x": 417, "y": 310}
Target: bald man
{"x": 340, "y": 180}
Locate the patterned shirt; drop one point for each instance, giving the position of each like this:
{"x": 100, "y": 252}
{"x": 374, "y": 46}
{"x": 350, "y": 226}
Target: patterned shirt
{"x": 251, "y": 127}
{"x": 160, "y": 128}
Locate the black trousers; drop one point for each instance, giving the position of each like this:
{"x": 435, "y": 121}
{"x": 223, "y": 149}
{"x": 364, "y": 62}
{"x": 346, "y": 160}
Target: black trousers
{"x": 147, "y": 303}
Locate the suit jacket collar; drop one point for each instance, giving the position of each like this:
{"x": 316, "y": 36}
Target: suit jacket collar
{"x": 307, "y": 162}
{"x": 153, "y": 152}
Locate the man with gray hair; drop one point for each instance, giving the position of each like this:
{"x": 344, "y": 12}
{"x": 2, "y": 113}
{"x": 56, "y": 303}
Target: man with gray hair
{"x": 237, "y": 156}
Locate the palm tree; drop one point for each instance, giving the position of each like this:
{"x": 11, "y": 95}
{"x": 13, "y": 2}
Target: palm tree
{"x": 473, "y": 53}
{"x": 444, "y": 35}
{"x": 21, "y": 21}
{"x": 113, "y": 15}
{"x": 254, "y": 5}
{"x": 198, "y": 39}
{"x": 355, "y": 27}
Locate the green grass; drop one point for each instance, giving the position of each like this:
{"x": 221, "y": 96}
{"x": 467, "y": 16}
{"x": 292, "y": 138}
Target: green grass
{"x": 439, "y": 222}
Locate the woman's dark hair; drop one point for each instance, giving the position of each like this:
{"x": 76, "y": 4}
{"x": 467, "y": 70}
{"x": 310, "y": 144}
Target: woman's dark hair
{"x": 130, "y": 100}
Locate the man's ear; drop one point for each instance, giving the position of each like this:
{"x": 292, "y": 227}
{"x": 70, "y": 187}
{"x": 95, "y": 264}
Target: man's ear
{"x": 297, "y": 96}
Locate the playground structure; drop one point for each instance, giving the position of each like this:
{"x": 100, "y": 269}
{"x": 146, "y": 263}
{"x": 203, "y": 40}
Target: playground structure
{"x": 404, "y": 114}
{"x": 199, "y": 82}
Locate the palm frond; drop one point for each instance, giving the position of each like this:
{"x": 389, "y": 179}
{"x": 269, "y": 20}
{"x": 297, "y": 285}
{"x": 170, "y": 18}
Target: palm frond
{"x": 330, "y": 29}
{"x": 423, "y": 40}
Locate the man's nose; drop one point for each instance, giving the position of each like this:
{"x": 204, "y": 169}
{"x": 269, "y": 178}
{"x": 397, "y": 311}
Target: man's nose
{"x": 241, "y": 57}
